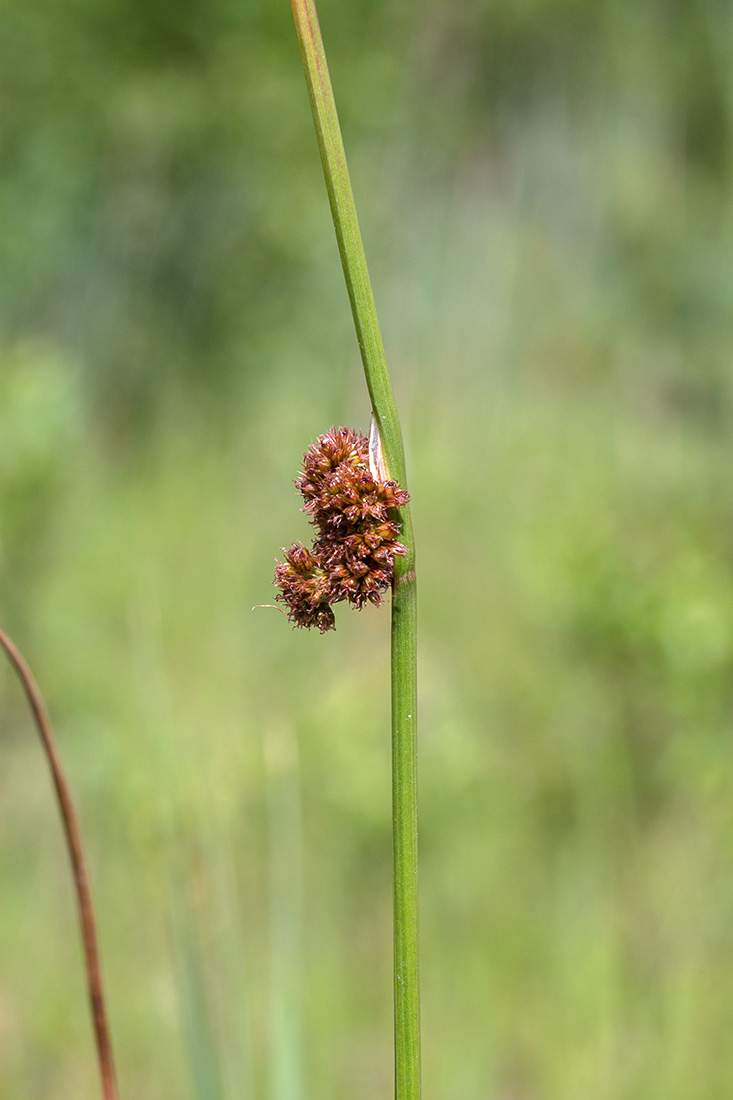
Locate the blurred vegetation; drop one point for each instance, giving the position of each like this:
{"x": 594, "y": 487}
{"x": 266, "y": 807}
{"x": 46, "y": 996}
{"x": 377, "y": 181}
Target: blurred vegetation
{"x": 544, "y": 188}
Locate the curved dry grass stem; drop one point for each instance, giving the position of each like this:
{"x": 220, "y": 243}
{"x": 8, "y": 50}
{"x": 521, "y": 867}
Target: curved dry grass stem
{"x": 78, "y": 866}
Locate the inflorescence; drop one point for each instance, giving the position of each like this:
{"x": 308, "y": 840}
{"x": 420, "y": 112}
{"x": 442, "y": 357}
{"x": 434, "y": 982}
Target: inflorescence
{"x": 353, "y": 556}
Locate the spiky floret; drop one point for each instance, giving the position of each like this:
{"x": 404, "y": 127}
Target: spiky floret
{"x": 305, "y": 588}
{"x": 353, "y": 557}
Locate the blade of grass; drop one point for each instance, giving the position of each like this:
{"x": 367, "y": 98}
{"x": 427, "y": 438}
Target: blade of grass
{"x": 404, "y": 606}
{"x": 199, "y": 1027}
{"x": 285, "y": 866}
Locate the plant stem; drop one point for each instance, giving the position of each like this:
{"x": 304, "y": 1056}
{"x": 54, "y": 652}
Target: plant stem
{"x": 404, "y": 660}
{"x": 78, "y": 866}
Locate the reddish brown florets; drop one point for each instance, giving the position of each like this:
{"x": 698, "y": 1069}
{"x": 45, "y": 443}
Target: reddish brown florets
{"x": 304, "y": 587}
{"x": 353, "y": 557}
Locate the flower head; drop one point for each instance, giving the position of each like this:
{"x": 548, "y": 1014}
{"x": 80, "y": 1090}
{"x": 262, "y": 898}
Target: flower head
{"x": 304, "y": 588}
{"x": 354, "y": 513}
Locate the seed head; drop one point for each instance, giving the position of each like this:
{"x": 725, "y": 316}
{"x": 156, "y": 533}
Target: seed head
{"x": 304, "y": 588}
{"x": 353, "y": 556}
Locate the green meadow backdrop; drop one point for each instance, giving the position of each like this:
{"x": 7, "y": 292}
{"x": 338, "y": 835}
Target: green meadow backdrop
{"x": 545, "y": 193}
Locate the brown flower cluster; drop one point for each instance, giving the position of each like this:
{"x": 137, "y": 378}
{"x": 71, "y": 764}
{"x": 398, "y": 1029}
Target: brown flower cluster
{"x": 353, "y": 556}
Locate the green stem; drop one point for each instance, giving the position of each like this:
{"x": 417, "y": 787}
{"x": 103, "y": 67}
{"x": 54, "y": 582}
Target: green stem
{"x": 404, "y": 662}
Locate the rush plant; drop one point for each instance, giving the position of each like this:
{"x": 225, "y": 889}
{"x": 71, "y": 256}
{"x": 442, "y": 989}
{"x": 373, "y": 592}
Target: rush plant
{"x": 356, "y": 493}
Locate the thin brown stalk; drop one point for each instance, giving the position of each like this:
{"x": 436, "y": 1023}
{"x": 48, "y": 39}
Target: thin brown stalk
{"x": 78, "y": 866}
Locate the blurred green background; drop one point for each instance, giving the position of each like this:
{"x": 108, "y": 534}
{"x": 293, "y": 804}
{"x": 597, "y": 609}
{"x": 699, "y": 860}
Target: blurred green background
{"x": 545, "y": 193}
